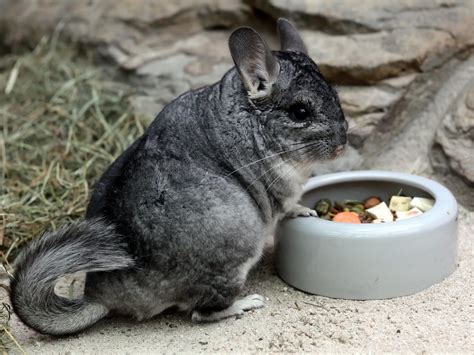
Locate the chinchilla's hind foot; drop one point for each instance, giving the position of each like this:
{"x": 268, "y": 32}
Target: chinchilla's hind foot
{"x": 236, "y": 309}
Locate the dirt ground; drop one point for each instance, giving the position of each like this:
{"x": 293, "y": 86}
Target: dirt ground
{"x": 439, "y": 319}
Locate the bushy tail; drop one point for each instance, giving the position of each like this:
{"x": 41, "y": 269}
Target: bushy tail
{"x": 90, "y": 245}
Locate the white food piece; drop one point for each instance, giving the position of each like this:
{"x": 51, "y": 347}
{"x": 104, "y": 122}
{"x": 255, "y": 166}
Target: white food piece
{"x": 377, "y": 221}
{"x": 408, "y": 214}
{"x": 382, "y": 212}
{"x": 422, "y": 203}
{"x": 400, "y": 203}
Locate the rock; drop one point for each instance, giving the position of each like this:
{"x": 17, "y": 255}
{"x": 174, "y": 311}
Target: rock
{"x": 455, "y": 137}
{"x": 453, "y": 17}
{"x": 171, "y": 44}
{"x": 368, "y": 58}
{"x": 365, "y": 107}
{"x": 201, "y": 60}
{"x": 366, "y": 99}
{"x": 399, "y": 82}
{"x": 128, "y": 24}
{"x": 378, "y": 39}
{"x": 470, "y": 100}
{"x": 404, "y": 138}
{"x": 210, "y": 46}
{"x": 361, "y": 127}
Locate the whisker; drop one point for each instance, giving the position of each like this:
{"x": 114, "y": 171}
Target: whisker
{"x": 267, "y": 171}
{"x": 285, "y": 174}
{"x": 311, "y": 141}
{"x": 270, "y": 156}
{"x": 279, "y": 177}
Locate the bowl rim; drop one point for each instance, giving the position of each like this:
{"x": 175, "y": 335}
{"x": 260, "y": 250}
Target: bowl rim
{"x": 444, "y": 209}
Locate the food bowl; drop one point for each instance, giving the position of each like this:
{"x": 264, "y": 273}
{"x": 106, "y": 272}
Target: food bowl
{"x": 369, "y": 261}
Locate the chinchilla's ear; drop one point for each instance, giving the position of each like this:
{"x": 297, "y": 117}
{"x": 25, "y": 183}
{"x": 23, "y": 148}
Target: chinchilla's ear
{"x": 290, "y": 39}
{"x": 257, "y": 66}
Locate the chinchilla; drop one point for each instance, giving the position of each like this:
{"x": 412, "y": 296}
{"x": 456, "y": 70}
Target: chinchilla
{"x": 182, "y": 215}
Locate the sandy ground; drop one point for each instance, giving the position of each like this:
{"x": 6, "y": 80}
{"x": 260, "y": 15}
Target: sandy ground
{"x": 439, "y": 319}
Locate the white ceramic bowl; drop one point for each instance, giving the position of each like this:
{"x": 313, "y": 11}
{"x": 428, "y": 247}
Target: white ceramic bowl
{"x": 369, "y": 261}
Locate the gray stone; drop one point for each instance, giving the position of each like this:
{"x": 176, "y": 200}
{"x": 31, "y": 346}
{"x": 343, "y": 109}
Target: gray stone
{"x": 372, "y": 40}
{"x": 453, "y": 17}
{"x": 368, "y": 58}
{"x": 455, "y": 138}
{"x": 366, "y": 99}
{"x": 399, "y": 82}
{"x": 405, "y": 138}
{"x": 132, "y": 25}
{"x": 365, "y": 107}
{"x": 361, "y": 127}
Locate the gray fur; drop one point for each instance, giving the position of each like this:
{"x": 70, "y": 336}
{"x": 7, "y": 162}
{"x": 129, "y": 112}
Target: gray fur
{"x": 196, "y": 196}
{"x": 254, "y": 61}
{"x": 290, "y": 39}
{"x": 237, "y": 309}
{"x": 86, "y": 246}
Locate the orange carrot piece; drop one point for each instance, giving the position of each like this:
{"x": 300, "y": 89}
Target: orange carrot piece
{"x": 346, "y": 217}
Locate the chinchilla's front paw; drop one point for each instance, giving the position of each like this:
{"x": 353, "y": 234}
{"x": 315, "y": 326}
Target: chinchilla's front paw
{"x": 301, "y": 211}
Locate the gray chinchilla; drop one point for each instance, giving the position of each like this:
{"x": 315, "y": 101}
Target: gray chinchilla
{"x": 181, "y": 216}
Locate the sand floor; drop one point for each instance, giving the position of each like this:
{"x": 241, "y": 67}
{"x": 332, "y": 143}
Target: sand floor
{"x": 439, "y": 319}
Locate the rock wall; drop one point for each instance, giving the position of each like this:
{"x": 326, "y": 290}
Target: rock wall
{"x": 404, "y": 69}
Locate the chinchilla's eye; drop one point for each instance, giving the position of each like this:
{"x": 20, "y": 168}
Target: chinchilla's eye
{"x": 299, "y": 112}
